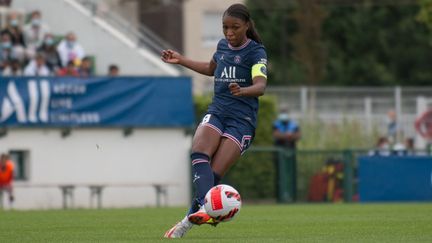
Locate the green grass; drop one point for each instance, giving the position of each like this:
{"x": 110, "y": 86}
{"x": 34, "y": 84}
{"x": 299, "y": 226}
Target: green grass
{"x": 285, "y": 223}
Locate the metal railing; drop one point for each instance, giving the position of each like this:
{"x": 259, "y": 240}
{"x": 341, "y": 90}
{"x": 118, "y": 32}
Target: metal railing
{"x": 142, "y": 35}
{"x": 272, "y": 173}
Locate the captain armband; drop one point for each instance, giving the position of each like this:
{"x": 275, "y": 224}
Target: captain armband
{"x": 259, "y": 70}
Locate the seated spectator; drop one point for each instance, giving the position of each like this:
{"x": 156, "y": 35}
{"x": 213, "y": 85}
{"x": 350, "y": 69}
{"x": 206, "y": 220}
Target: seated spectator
{"x": 86, "y": 67}
{"x": 113, "y": 70}
{"x": 382, "y": 147}
{"x": 16, "y": 36}
{"x": 13, "y": 29}
{"x": 7, "y": 53}
{"x": 68, "y": 71}
{"x": 34, "y": 33}
{"x": 37, "y": 67}
{"x": 13, "y": 68}
{"x": 49, "y": 50}
{"x": 5, "y": 3}
{"x": 70, "y": 50}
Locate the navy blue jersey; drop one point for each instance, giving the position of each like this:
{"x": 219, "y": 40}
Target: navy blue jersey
{"x": 234, "y": 64}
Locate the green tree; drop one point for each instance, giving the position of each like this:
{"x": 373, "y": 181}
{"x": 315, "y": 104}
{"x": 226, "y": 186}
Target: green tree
{"x": 425, "y": 14}
{"x": 275, "y": 23}
{"x": 376, "y": 45}
{"x": 341, "y": 43}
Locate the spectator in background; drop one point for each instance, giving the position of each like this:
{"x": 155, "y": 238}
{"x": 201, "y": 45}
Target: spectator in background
{"x": 382, "y": 147}
{"x": 410, "y": 145}
{"x": 13, "y": 68}
{"x": 394, "y": 131}
{"x": 50, "y": 52}
{"x": 6, "y": 51}
{"x": 113, "y": 70}
{"x": 70, "y": 50}
{"x": 286, "y": 132}
{"x": 37, "y": 67}
{"x": 13, "y": 29}
{"x": 34, "y": 33}
{"x": 6, "y": 178}
{"x": 86, "y": 67}
{"x": 5, "y": 3}
{"x": 68, "y": 71}
{"x": 16, "y": 36}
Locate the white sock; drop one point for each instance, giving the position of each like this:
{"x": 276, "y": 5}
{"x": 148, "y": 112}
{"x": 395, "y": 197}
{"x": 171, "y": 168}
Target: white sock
{"x": 185, "y": 220}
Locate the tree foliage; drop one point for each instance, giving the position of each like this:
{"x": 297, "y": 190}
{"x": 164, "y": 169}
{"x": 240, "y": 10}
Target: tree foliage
{"x": 363, "y": 44}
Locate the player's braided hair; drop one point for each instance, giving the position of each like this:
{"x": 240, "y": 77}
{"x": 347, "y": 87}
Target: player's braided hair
{"x": 240, "y": 11}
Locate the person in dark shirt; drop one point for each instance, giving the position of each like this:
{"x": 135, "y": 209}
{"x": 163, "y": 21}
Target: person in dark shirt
{"x": 228, "y": 128}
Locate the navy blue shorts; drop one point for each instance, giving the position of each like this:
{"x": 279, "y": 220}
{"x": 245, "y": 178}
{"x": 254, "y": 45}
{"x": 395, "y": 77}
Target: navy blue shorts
{"x": 238, "y": 130}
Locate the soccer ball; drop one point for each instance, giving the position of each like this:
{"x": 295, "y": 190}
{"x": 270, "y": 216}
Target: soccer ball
{"x": 222, "y": 202}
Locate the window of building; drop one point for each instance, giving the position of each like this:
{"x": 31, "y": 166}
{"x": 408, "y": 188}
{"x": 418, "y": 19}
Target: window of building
{"x": 211, "y": 28}
{"x": 21, "y": 160}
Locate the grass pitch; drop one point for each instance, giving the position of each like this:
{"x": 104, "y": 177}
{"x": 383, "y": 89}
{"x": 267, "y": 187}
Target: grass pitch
{"x": 264, "y": 223}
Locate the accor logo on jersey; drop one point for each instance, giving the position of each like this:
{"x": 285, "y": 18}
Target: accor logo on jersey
{"x": 229, "y": 72}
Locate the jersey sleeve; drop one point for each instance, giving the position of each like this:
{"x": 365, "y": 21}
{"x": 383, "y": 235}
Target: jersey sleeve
{"x": 216, "y": 54}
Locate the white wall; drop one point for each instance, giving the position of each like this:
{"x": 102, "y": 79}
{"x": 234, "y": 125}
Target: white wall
{"x": 98, "y": 39}
{"x": 102, "y": 156}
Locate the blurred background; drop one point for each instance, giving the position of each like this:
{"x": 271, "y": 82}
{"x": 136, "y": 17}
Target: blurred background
{"x": 89, "y": 112}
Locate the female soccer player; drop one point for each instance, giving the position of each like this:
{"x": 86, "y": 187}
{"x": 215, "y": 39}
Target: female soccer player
{"x": 226, "y": 131}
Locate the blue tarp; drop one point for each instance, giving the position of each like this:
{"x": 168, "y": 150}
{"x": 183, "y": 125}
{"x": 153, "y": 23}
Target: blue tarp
{"x": 395, "y": 178}
{"x": 104, "y": 102}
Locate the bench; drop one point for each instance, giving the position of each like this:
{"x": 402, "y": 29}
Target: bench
{"x": 96, "y": 191}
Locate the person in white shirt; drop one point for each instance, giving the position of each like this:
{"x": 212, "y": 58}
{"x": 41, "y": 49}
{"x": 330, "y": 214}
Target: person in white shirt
{"x": 34, "y": 33}
{"x": 70, "y": 50}
{"x": 37, "y": 67}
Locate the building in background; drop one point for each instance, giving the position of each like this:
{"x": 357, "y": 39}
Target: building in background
{"x": 192, "y": 27}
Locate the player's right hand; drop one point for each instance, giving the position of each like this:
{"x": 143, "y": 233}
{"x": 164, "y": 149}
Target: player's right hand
{"x": 170, "y": 56}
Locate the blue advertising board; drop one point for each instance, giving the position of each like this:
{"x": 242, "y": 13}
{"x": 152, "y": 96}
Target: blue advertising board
{"x": 104, "y": 101}
{"x": 395, "y": 178}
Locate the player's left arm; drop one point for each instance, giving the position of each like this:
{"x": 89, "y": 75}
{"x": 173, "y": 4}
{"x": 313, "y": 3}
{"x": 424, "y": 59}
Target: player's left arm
{"x": 259, "y": 83}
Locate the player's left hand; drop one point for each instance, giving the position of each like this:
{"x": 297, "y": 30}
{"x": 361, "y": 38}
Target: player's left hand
{"x": 235, "y": 89}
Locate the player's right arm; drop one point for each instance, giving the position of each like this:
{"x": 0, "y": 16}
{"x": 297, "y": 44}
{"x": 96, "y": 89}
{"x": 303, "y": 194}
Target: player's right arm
{"x": 206, "y": 68}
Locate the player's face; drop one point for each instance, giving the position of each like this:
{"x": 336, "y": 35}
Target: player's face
{"x": 234, "y": 30}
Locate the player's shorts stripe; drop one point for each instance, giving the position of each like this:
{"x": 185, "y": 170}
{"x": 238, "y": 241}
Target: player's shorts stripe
{"x": 233, "y": 139}
{"x": 212, "y": 126}
{"x": 216, "y": 199}
{"x": 197, "y": 161}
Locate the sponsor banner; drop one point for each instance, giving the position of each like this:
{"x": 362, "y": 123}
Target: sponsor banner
{"x": 122, "y": 101}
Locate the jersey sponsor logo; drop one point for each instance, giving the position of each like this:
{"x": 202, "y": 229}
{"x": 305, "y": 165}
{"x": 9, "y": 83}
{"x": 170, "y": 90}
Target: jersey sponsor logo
{"x": 229, "y": 72}
{"x": 237, "y": 59}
